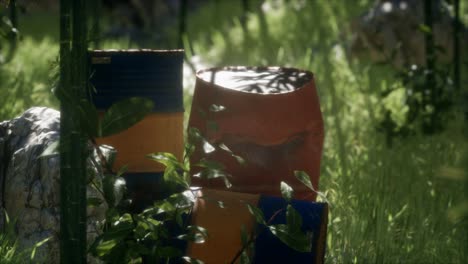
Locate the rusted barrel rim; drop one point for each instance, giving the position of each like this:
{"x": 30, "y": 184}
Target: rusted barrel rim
{"x": 309, "y": 74}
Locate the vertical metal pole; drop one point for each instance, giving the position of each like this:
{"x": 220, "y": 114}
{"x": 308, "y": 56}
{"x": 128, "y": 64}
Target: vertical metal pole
{"x": 73, "y": 79}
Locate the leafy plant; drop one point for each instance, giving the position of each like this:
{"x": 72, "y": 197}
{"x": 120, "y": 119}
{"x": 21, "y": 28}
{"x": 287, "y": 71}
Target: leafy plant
{"x": 427, "y": 104}
{"x": 158, "y": 233}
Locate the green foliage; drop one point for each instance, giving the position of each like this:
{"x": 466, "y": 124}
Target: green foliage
{"x": 25, "y": 80}
{"x": 10, "y": 250}
{"x": 123, "y": 115}
{"x": 286, "y": 191}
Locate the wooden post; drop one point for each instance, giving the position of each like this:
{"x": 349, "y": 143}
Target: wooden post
{"x": 73, "y": 151}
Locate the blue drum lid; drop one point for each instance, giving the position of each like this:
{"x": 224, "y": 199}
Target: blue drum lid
{"x": 154, "y": 74}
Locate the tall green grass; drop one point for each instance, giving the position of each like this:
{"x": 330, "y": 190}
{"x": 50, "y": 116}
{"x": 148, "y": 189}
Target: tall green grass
{"x": 26, "y": 81}
{"x": 10, "y": 250}
{"x": 388, "y": 205}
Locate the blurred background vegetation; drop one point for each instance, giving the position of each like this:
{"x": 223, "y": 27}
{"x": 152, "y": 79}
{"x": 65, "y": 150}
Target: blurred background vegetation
{"x": 398, "y": 194}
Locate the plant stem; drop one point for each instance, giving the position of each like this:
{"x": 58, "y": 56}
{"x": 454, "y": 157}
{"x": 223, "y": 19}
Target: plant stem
{"x": 254, "y": 236}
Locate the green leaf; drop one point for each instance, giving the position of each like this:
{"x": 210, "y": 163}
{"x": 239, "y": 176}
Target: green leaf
{"x": 122, "y": 170}
{"x": 304, "y": 178}
{"x": 189, "y": 149}
{"x": 51, "y": 150}
{"x": 194, "y": 135}
{"x": 244, "y": 235}
{"x": 217, "y": 108}
{"x": 164, "y": 158}
{"x": 211, "y": 174}
{"x": 286, "y": 191}
{"x": 211, "y": 170}
{"x": 104, "y": 247}
{"x": 37, "y": 245}
{"x": 124, "y": 114}
{"x": 191, "y": 260}
{"x": 425, "y": 29}
{"x": 210, "y": 164}
{"x": 172, "y": 175}
{"x": 168, "y": 252}
{"x": 239, "y": 159}
{"x": 257, "y": 213}
{"x": 296, "y": 240}
{"x": 93, "y": 201}
{"x": 212, "y": 125}
{"x": 89, "y": 118}
{"x": 177, "y": 201}
{"x": 115, "y": 234}
{"x": 207, "y": 147}
{"x": 137, "y": 250}
{"x": 195, "y": 234}
{"x": 293, "y": 219}
{"x": 108, "y": 189}
{"x": 244, "y": 258}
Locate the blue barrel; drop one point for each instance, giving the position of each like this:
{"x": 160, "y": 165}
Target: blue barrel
{"x": 153, "y": 74}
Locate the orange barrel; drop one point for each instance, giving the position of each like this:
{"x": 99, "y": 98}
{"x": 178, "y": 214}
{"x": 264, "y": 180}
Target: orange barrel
{"x": 154, "y": 74}
{"x": 224, "y": 225}
{"x": 269, "y": 116}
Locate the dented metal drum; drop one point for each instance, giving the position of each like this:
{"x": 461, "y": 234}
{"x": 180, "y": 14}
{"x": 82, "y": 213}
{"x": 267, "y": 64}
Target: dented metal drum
{"x": 270, "y": 117}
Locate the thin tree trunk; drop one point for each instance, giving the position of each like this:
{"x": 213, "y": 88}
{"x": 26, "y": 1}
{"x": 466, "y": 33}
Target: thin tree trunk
{"x": 182, "y": 23}
{"x": 73, "y": 79}
{"x": 430, "y": 62}
{"x": 245, "y": 13}
{"x": 95, "y": 12}
{"x": 428, "y": 19}
{"x": 456, "y": 45}
{"x": 13, "y": 35}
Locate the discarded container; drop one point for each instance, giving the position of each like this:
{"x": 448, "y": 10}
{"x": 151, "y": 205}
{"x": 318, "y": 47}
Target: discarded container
{"x": 224, "y": 225}
{"x": 154, "y": 74}
{"x": 268, "y": 116}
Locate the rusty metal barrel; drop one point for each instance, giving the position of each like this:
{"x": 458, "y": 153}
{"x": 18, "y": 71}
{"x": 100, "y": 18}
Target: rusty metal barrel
{"x": 153, "y": 74}
{"x": 270, "y": 117}
{"x": 224, "y": 225}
